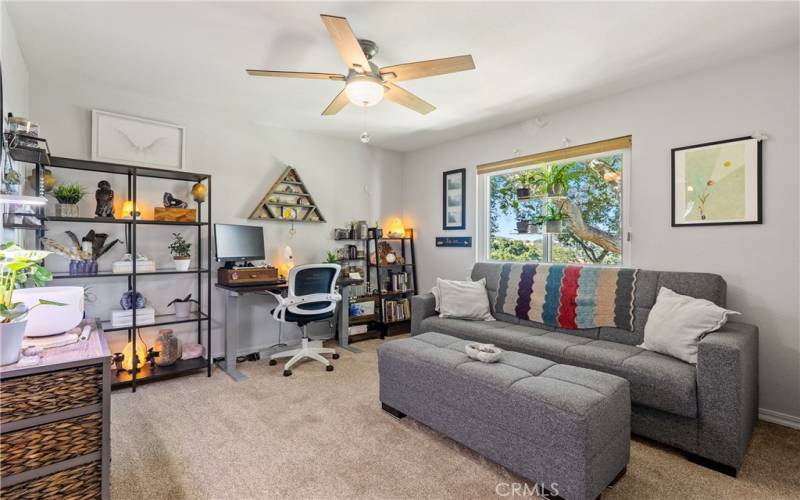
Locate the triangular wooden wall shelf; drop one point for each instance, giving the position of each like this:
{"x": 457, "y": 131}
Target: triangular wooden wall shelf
{"x": 288, "y": 200}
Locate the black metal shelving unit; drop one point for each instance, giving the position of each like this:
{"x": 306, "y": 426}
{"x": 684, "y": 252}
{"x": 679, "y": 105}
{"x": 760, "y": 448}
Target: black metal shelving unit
{"x": 133, "y": 173}
{"x": 408, "y": 266}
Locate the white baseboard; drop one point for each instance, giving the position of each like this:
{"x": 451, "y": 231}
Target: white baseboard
{"x": 779, "y": 418}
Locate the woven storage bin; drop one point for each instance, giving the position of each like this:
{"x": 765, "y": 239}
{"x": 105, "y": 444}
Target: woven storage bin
{"x": 78, "y": 483}
{"x": 51, "y": 443}
{"x": 41, "y": 394}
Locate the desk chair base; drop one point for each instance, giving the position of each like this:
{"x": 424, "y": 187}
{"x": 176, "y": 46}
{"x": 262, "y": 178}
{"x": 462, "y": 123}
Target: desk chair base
{"x": 311, "y": 349}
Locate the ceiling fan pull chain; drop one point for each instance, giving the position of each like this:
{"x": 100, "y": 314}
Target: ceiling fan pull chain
{"x": 364, "y": 135}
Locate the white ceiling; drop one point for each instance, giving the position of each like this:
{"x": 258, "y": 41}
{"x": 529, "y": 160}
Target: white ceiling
{"x": 531, "y": 58}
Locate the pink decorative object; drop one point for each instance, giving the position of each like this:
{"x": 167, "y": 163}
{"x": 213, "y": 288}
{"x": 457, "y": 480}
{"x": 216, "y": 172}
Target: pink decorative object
{"x": 192, "y": 350}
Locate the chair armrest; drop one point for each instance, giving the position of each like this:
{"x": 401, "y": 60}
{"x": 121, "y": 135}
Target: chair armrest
{"x": 727, "y": 391}
{"x": 422, "y": 306}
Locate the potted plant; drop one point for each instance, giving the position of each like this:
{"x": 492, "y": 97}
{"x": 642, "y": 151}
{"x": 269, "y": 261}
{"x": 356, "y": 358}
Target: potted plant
{"x": 523, "y": 182}
{"x": 535, "y": 224}
{"x": 183, "y": 306}
{"x": 68, "y": 196}
{"x": 179, "y": 248}
{"x": 522, "y": 224}
{"x": 17, "y": 265}
{"x": 331, "y": 257}
{"x": 553, "y": 219}
{"x": 553, "y": 180}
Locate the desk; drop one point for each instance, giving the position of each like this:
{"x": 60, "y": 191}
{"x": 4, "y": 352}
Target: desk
{"x": 232, "y": 294}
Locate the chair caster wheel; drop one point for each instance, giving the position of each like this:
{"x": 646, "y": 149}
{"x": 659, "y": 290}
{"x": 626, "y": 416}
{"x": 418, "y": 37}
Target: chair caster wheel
{"x": 329, "y": 368}
{"x": 335, "y": 355}
{"x": 286, "y": 373}
{"x": 273, "y": 362}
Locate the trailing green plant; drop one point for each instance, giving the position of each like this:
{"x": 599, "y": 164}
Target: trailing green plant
{"x": 14, "y": 262}
{"x": 553, "y": 178}
{"x": 188, "y": 298}
{"x": 552, "y": 213}
{"x": 331, "y": 257}
{"x": 69, "y": 194}
{"x": 179, "y": 247}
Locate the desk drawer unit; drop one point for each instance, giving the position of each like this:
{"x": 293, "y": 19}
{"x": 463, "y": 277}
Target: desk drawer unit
{"x": 54, "y": 421}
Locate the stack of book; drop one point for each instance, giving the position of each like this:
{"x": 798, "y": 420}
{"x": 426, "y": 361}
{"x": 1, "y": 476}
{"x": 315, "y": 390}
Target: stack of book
{"x": 398, "y": 282}
{"x": 124, "y": 317}
{"x": 396, "y": 310}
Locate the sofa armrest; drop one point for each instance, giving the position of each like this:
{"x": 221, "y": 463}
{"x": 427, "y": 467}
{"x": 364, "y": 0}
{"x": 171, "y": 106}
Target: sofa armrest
{"x": 422, "y": 306}
{"x": 727, "y": 392}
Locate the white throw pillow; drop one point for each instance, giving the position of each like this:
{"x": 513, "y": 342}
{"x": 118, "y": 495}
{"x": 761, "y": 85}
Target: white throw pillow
{"x": 678, "y": 322}
{"x": 464, "y": 300}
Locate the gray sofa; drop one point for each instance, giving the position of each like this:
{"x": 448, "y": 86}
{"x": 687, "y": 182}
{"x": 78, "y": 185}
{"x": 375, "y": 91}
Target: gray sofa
{"x": 707, "y": 410}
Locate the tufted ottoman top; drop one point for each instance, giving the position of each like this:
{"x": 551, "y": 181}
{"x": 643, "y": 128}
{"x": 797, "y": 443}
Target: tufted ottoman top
{"x": 560, "y": 406}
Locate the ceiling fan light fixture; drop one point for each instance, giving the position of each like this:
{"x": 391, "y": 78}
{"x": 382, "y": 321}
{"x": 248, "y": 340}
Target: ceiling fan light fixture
{"x": 364, "y": 90}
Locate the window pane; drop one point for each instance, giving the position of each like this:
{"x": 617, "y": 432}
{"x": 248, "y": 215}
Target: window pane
{"x": 572, "y": 213}
{"x": 506, "y": 242}
{"x": 595, "y": 190}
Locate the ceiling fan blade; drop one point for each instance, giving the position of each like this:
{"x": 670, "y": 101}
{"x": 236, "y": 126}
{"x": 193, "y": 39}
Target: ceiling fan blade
{"x": 405, "y": 98}
{"x": 336, "y": 105}
{"x": 296, "y": 74}
{"x": 346, "y": 42}
{"x": 424, "y": 69}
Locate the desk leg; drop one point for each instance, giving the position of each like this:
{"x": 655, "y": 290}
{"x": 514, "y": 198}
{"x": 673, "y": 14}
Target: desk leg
{"x": 344, "y": 321}
{"x": 232, "y": 336}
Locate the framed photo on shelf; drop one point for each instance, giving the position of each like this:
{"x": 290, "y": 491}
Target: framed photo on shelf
{"x": 717, "y": 183}
{"x": 137, "y": 141}
{"x": 454, "y": 201}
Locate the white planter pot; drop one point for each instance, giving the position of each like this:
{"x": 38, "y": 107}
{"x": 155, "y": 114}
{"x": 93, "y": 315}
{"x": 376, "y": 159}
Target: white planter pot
{"x": 182, "y": 264}
{"x": 51, "y": 320}
{"x": 183, "y": 309}
{"x": 11, "y": 341}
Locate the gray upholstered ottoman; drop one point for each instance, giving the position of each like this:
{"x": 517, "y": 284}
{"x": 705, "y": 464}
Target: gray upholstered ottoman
{"x": 565, "y": 428}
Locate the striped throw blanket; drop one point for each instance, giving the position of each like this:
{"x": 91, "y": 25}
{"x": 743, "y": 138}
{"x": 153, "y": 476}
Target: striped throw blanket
{"x": 568, "y": 296}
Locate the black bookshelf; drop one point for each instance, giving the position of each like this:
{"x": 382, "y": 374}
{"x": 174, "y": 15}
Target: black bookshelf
{"x": 383, "y": 272}
{"x": 202, "y": 317}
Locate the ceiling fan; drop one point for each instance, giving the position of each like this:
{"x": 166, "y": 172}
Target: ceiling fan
{"x": 366, "y": 84}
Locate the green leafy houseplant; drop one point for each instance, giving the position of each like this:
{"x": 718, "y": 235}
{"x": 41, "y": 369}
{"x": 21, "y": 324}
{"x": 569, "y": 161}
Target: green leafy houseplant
{"x": 179, "y": 247}
{"x": 181, "y": 252}
{"x": 16, "y": 262}
{"x": 69, "y": 194}
{"x": 553, "y": 180}
{"x": 553, "y": 219}
{"x": 331, "y": 257}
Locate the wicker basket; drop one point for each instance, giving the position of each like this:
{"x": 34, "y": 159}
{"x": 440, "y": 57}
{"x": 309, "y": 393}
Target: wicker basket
{"x": 36, "y": 447}
{"x": 79, "y": 483}
{"x": 42, "y": 394}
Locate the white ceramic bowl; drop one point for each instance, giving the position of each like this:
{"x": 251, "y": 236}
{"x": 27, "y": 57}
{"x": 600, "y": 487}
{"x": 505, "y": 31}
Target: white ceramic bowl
{"x": 486, "y": 353}
{"x": 51, "y": 320}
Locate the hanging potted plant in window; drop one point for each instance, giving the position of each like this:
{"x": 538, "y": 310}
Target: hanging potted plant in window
{"x": 553, "y": 181}
{"x": 553, "y": 219}
{"x": 180, "y": 250}
{"x": 535, "y": 224}
{"x": 68, "y": 196}
{"x": 524, "y": 182}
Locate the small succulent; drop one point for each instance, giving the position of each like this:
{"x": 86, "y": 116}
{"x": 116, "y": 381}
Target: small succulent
{"x": 69, "y": 193}
{"x": 331, "y": 257}
{"x": 179, "y": 247}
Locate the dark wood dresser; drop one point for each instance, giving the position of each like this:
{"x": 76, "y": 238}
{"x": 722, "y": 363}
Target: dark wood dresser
{"x": 54, "y": 423}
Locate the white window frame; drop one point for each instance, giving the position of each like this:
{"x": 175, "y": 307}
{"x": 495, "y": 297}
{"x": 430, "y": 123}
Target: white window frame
{"x": 482, "y": 205}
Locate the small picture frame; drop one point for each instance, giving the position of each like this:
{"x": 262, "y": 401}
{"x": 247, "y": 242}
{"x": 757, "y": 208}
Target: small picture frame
{"x": 717, "y": 183}
{"x": 454, "y": 202}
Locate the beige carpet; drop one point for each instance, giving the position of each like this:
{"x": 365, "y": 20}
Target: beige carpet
{"x": 323, "y": 435}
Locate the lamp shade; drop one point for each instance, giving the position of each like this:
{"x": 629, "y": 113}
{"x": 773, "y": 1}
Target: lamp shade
{"x": 364, "y": 90}
{"x": 128, "y": 355}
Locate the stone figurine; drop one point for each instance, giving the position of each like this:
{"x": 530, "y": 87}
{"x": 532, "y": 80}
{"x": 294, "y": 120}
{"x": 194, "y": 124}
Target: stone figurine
{"x": 105, "y": 200}
{"x": 172, "y": 202}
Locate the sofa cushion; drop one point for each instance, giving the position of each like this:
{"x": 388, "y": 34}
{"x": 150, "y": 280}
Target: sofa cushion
{"x": 656, "y": 381}
{"x": 494, "y": 332}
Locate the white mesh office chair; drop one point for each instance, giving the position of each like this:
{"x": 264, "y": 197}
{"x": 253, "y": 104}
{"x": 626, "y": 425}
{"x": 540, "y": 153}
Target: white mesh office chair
{"x": 312, "y": 297}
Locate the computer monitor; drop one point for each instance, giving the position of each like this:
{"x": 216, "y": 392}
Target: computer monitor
{"x": 234, "y": 243}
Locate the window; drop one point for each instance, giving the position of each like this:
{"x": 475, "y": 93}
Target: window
{"x": 554, "y": 207}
